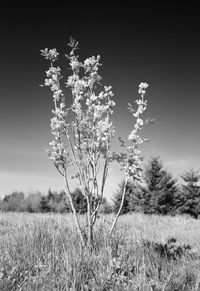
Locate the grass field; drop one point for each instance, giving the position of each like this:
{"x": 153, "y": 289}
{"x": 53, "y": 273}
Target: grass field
{"x": 43, "y": 252}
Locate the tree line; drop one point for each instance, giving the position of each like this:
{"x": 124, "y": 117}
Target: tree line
{"x": 158, "y": 192}
{"x": 53, "y": 201}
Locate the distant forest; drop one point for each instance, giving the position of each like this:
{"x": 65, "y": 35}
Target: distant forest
{"x": 157, "y": 193}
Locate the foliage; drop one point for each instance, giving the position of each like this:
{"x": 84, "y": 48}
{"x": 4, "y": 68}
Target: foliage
{"x": 118, "y": 197}
{"x": 13, "y": 202}
{"x": 171, "y": 249}
{"x": 156, "y": 194}
{"x": 53, "y": 201}
{"x": 44, "y": 204}
{"x": 57, "y": 202}
{"x": 106, "y": 207}
{"x": 80, "y": 202}
{"x": 32, "y": 202}
{"x": 159, "y": 190}
{"x": 188, "y": 198}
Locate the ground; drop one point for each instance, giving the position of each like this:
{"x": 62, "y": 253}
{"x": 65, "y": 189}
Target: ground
{"x": 43, "y": 252}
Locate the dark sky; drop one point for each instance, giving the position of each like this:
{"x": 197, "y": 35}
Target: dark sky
{"x": 144, "y": 43}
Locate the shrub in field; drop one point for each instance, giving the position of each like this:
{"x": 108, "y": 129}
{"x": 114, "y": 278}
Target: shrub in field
{"x": 172, "y": 249}
{"x": 83, "y": 132}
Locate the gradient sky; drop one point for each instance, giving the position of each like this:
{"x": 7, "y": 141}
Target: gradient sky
{"x": 155, "y": 44}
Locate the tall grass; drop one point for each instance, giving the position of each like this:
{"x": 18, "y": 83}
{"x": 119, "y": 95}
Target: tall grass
{"x": 43, "y": 252}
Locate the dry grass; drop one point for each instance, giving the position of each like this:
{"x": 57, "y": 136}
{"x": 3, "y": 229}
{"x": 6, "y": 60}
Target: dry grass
{"x": 43, "y": 252}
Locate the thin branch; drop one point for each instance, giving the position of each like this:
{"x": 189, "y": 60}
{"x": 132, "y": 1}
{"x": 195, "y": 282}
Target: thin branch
{"x": 73, "y": 208}
{"x": 59, "y": 171}
{"x": 105, "y": 171}
{"x": 90, "y": 225}
{"x": 77, "y": 166}
{"x": 120, "y": 208}
{"x": 94, "y": 214}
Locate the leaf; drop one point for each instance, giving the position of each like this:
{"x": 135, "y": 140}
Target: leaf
{"x": 130, "y": 109}
{"x": 68, "y": 57}
{"x": 149, "y": 121}
{"x": 121, "y": 140}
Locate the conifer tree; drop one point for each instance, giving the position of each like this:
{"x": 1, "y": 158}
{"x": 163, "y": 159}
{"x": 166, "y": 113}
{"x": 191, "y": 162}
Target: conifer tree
{"x": 189, "y": 196}
{"x": 159, "y": 190}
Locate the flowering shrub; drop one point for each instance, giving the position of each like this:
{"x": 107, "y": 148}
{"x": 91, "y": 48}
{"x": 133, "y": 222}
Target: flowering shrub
{"x": 84, "y": 142}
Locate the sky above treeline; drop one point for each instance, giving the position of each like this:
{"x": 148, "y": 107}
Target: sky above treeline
{"x": 144, "y": 43}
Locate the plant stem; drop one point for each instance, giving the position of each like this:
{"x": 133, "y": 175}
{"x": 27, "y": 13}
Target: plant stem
{"x": 73, "y": 208}
{"x": 90, "y": 226}
{"x": 120, "y": 208}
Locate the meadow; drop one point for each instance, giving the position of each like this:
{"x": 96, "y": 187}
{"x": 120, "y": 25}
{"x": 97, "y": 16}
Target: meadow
{"x": 145, "y": 252}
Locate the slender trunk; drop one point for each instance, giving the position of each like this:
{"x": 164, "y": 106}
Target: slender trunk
{"x": 90, "y": 226}
{"x": 105, "y": 172}
{"x": 120, "y": 208}
{"x": 73, "y": 209}
{"x": 95, "y": 212}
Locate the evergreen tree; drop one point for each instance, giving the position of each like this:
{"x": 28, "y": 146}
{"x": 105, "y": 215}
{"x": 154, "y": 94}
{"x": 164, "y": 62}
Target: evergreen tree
{"x": 136, "y": 201}
{"x": 54, "y": 202}
{"x": 189, "y": 197}
{"x": 159, "y": 190}
{"x": 44, "y": 204}
{"x": 52, "y": 198}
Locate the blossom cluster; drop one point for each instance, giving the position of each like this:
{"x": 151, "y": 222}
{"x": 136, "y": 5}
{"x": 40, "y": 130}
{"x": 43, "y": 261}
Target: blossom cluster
{"x": 57, "y": 151}
{"x": 131, "y": 162}
{"x": 142, "y": 104}
{"x": 51, "y": 54}
{"x": 92, "y": 110}
{"x": 53, "y": 81}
